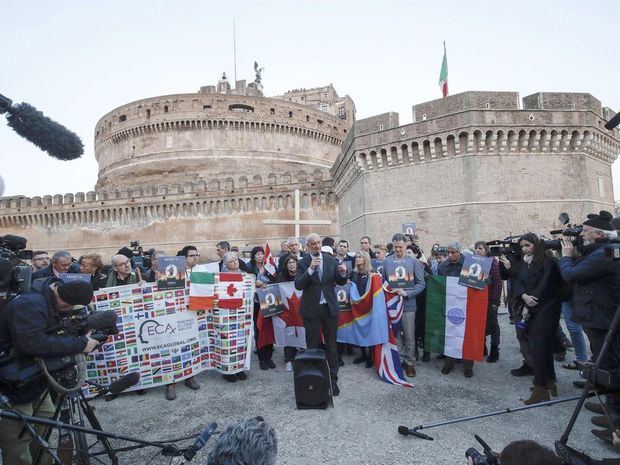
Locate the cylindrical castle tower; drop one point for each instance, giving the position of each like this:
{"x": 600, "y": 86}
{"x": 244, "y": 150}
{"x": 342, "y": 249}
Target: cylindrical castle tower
{"x": 214, "y": 135}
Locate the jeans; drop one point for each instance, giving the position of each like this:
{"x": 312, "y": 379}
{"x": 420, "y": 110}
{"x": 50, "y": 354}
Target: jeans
{"x": 576, "y": 332}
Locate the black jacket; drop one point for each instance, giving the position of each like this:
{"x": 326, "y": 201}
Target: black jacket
{"x": 49, "y": 271}
{"x": 23, "y": 328}
{"x": 596, "y": 286}
{"x": 449, "y": 268}
{"x": 540, "y": 280}
{"x": 312, "y": 286}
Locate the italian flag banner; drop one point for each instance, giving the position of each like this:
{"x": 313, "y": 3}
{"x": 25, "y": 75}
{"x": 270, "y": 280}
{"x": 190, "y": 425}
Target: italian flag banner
{"x": 456, "y": 318}
{"x": 201, "y": 290}
{"x": 443, "y": 74}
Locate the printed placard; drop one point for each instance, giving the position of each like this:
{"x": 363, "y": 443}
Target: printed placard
{"x": 399, "y": 273}
{"x": 344, "y": 297}
{"x": 68, "y": 277}
{"x": 408, "y": 228}
{"x": 476, "y": 271}
{"x": 171, "y": 273}
{"x": 270, "y": 300}
{"x": 377, "y": 265}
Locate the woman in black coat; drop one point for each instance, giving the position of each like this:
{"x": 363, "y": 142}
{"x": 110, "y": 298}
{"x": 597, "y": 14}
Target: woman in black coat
{"x": 257, "y": 268}
{"x": 537, "y": 290}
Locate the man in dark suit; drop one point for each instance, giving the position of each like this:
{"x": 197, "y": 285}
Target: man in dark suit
{"x": 317, "y": 275}
{"x": 221, "y": 249}
{"x": 62, "y": 262}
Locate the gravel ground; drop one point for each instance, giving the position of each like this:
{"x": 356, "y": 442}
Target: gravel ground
{"x": 362, "y": 427}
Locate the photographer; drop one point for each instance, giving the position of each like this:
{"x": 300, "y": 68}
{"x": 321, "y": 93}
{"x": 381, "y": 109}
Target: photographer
{"x": 24, "y": 334}
{"x": 596, "y": 294}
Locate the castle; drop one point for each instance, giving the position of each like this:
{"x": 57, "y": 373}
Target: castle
{"x": 228, "y": 163}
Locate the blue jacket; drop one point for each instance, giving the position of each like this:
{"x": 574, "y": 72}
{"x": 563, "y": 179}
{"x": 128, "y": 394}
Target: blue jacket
{"x": 596, "y": 291}
{"x": 418, "y": 284}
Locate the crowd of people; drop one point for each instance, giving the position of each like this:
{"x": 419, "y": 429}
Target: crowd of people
{"x": 537, "y": 286}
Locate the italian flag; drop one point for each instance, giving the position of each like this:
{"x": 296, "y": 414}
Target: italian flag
{"x": 443, "y": 75}
{"x": 456, "y": 318}
{"x": 201, "y": 290}
{"x": 230, "y": 290}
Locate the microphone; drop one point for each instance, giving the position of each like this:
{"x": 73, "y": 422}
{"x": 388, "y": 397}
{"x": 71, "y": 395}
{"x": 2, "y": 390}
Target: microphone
{"x": 411, "y": 432}
{"x": 612, "y": 123}
{"x": 200, "y": 441}
{"x": 50, "y": 136}
{"x": 123, "y": 383}
{"x": 101, "y": 320}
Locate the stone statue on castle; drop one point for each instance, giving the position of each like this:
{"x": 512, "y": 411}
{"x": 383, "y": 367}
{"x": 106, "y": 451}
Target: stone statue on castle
{"x": 258, "y": 72}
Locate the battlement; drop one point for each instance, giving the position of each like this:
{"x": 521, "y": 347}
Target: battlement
{"x": 472, "y": 100}
{"x": 562, "y": 101}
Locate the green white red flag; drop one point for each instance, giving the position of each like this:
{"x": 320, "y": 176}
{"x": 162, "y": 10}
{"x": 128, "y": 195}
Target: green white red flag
{"x": 230, "y": 290}
{"x": 443, "y": 75}
{"x": 456, "y": 318}
{"x": 201, "y": 290}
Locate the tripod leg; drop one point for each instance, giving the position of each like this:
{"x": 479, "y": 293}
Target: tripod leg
{"x": 89, "y": 412}
{"x": 39, "y": 454}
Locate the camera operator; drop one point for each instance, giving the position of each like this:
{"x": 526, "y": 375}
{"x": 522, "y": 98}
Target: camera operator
{"x": 596, "y": 287}
{"x": 24, "y": 334}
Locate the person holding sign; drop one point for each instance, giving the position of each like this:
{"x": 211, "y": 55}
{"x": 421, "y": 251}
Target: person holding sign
{"x": 495, "y": 295}
{"x": 408, "y": 287}
{"x": 257, "y": 268}
{"x": 359, "y": 278}
{"x": 286, "y": 273}
{"x": 317, "y": 276}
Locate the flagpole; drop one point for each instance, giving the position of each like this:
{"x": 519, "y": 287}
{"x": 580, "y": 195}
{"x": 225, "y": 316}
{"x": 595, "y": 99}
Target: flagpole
{"x": 235, "y": 48}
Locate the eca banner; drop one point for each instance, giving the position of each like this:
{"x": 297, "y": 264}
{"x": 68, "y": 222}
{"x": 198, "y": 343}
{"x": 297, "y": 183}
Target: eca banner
{"x": 164, "y": 341}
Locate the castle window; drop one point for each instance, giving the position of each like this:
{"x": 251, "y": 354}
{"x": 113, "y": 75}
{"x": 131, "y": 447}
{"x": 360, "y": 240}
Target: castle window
{"x": 320, "y": 121}
{"x": 381, "y": 127}
{"x": 324, "y": 106}
{"x": 488, "y": 106}
{"x": 148, "y": 113}
{"x": 424, "y": 117}
{"x": 272, "y": 111}
{"x": 290, "y": 114}
{"x": 307, "y": 117}
{"x": 342, "y": 113}
{"x": 165, "y": 108}
{"x": 241, "y": 107}
{"x": 122, "y": 118}
{"x": 206, "y": 107}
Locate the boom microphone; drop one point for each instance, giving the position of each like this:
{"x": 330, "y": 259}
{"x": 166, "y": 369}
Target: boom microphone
{"x": 411, "y": 432}
{"x": 50, "y": 136}
{"x": 612, "y": 123}
{"x": 200, "y": 441}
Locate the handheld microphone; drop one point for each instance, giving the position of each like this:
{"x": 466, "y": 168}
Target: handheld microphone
{"x": 411, "y": 432}
{"x": 50, "y": 136}
{"x": 200, "y": 441}
{"x": 612, "y": 123}
{"x": 123, "y": 383}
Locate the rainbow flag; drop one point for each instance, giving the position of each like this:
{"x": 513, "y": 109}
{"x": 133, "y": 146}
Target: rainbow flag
{"x": 456, "y": 318}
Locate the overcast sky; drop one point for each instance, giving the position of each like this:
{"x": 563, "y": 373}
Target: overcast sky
{"x": 77, "y": 60}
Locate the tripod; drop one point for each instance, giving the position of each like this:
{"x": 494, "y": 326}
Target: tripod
{"x": 74, "y": 409}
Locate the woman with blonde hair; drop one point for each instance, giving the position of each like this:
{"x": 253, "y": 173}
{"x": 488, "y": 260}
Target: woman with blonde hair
{"x": 359, "y": 278}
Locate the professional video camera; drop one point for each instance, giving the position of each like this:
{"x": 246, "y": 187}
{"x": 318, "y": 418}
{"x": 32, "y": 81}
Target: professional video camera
{"x": 439, "y": 250}
{"x": 488, "y": 457}
{"x": 79, "y": 322}
{"x": 573, "y": 231}
{"x": 508, "y": 247}
{"x": 15, "y": 273}
{"x": 140, "y": 257}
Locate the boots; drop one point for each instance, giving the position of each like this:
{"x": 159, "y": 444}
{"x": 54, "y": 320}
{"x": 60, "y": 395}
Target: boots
{"x": 552, "y": 387}
{"x": 539, "y": 394}
{"x": 448, "y": 365}
{"x": 493, "y": 355}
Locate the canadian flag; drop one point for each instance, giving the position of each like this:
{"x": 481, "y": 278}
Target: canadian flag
{"x": 270, "y": 262}
{"x": 230, "y": 290}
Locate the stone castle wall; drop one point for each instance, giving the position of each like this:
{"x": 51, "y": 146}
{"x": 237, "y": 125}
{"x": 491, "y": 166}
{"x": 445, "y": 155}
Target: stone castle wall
{"x": 474, "y": 166}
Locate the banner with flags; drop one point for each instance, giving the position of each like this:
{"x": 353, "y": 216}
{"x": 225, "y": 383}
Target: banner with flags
{"x": 456, "y": 318}
{"x": 443, "y": 75}
{"x": 160, "y": 338}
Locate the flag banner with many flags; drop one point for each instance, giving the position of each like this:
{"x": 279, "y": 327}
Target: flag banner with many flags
{"x": 164, "y": 341}
{"x": 367, "y": 323}
{"x": 456, "y": 318}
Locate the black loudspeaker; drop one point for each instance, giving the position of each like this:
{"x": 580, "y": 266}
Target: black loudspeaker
{"x": 312, "y": 383}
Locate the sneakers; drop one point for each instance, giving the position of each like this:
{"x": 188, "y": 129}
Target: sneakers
{"x": 523, "y": 370}
{"x": 289, "y": 366}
